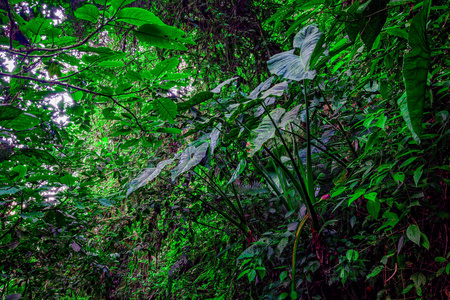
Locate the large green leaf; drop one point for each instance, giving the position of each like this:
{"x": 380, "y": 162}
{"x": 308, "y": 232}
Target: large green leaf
{"x": 195, "y": 100}
{"x": 261, "y": 87}
{"x": 162, "y": 36}
{"x": 291, "y": 66}
{"x": 14, "y": 118}
{"x": 190, "y": 157}
{"x": 165, "y": 66}
{"x": 147, "y": 175}
{"x": 87, "y": 12}
{"x": 266, "y": 130}
{"x": 166, "y": 109}
{"x": 415, "y": 71}
{"x": 138, "y": 16}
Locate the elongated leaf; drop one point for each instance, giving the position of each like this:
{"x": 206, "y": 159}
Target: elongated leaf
{"x": 165, "y": 66}
{"x": 403, "y": 106}
{"x": 111, "y": 64}
{"x": 214, "y": 137}
{"x": 276, "y": 90}
{"x": 138, "y": 16}
{"x": 415, "y": 70}
{"x": 161, "y": 36}
{"x": 87, "y": 12}
{"x": 373, "y": 207}
{"x": 289, "y": 117}
{"x": 147, "y": 175}
{"x": 220, "y": 86}
{"x": 166, "y": 109}
{"x": 290, "y": 66}
{"x": 16, "y": 119}
{"x": 261, "y": 87}
{"x": 239, "y": 169}
{"x": 190, "y": 157}
{"x": 197, "y": 99}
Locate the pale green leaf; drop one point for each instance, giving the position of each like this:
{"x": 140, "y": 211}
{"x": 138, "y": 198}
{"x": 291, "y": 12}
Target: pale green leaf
{"x": 138, "y": 16}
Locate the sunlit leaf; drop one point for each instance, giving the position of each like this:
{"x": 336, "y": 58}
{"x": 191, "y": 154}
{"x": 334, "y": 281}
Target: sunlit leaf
{"x": 165, "y": 108}
{"x": 218, "y": 88}
{"x": 413, "y": 233}
{"x": 138, "y": 16}
{"x": 87, "y": 12}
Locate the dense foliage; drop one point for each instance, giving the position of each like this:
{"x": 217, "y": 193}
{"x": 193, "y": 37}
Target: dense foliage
{"x": 185, "y": 149}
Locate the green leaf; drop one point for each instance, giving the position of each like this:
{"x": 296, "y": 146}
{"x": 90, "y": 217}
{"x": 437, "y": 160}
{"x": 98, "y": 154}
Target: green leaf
{"x": 190, "y": 157}
{"x": 169, "y": 130}
{"x": 287, "y": 65}
{"x": 32, "y": 215}
{"x": 395, "y": 31}
{"x": 20, "y": 170}
{"x": 440, "y": 259}
{"x": 418, "y": 174}
{"x": 165, "y": 66}
{"x": 371, "y": 196}
{"x": 239, "y": 169}
{"x": 138, "y": 16}
{"x": 243, "y": 273}
{"x": 373, "y": 207}
{"x": 352, "y": 255}
{"x": 88, "y": 12}
{"x": 415, "y": 70}
{"x": 111, "y": 64}
{"x": 447, "y": 269}
{"x": 120, "y": 3}
{"x": 105, "y": 202}
{"x": 413, "y": 233}
{"x": 68, "y": 180}
{"x": 218, "y": 88}
{"x": 425, "y": 241}
{"x": 266, "y": 129}
{"x": 147, "y": 176}
{"x": 165, "y": 108}
{"x": 162, "y": 36}
{"x": 356, "y": 195}
{"x": 9, "y": 190}
{"x": 399, "y": 176}
{"x": 195, "y": 100}
{"x": 16, "y": 119}
{"x": 376, "y": 15}
{"x": 375, "y": 271}
{"x": 251, "y": 275}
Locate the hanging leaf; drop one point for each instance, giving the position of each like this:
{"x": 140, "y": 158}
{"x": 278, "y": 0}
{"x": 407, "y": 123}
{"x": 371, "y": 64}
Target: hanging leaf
{"x": 413, "y": 233}
{"x": 214, "y": 137}
{"x": 165, "y": 108}
{"x": 415, "y": 71}
{"x": 373, "y": 207}
{"x": 220, "y": 86}
{"x": 239, "y": 169}
{"x": 88, "y": 12}
{"x": 276, "y": 90}
{"x": 265, "y": 130}
{"x": 261, "y": 87}
{"x": 197, "y": 99}
{"x": 290, "y": 66}
{"x": 138, "y": 16}
{"x": 190, "y": 157}
{"x": 147, "y": 175}
{"x": 162, "y": 36}
{"x": 165, "y": 66}
{"x": 403, "y": 106}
